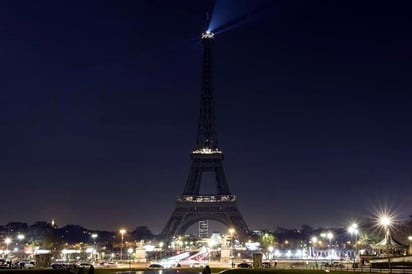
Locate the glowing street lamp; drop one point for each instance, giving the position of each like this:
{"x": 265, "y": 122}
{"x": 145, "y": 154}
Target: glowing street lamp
{"x": 386, "y": 221}
{"x": 353, "y": 230}
{"x": 314, "y": 241}
{"x": 7, "y": 241}
{"x": 231, "y": 232}
{"x": 329, "y": 235}
{"x": 129, "y": 253}
{"x": 122, "y": 232}
{"x": 20, "y": 238}
{"x": 94, "y": 236}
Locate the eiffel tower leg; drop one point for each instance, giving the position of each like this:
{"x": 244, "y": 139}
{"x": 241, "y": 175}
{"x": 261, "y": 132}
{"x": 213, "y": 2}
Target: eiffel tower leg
{"x": 171, "y": 226}
{"x": 221, "y": 184}
{"x": 193, "y": 181}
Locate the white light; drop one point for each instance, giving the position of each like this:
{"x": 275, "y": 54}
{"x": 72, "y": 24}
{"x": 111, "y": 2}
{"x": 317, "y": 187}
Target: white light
{"x": 212, "y": 242}
{"x": 207, "y": 34}
{"x": 149, "y": 248}
{"x": 385, "y": 220}
{"x": 207, "y": 151}
{"x": 329, "y": 235}
{"x": 353, "y": 229}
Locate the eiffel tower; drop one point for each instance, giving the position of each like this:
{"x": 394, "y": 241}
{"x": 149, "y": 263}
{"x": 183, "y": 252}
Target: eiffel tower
{"x": 191, "y": 206}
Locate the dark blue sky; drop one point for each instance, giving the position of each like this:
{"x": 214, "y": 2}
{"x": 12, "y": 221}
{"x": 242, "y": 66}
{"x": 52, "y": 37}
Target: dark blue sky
{"x": 99, "y": 103}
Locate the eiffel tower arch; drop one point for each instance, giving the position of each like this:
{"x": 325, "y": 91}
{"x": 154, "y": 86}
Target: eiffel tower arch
{"x": 191, "y": 205}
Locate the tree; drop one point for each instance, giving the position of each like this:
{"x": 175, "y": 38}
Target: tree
{"x": 142, "y": 233}
{"x": 43, "y": 234}
{"x": 266, "y": 240}
{"x": 306, "y": 230}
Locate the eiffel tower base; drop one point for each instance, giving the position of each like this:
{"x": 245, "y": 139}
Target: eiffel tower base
{"x": 192, "y": 209}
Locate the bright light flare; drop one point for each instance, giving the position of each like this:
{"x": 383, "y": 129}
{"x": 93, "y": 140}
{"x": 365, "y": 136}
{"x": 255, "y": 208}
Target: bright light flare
{"x": 122, "y": 231}
{"x": 353, "y": 229}
{"x": 385, "y": 221}
{"x": 329, "y": 235}
{"x": 314, "y": 240}
{"x": 207, "y": 35}
{"x": 385, "y": 216}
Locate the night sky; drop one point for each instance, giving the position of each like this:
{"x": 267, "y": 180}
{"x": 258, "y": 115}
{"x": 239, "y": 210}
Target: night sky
{"x": 99, "y": 102}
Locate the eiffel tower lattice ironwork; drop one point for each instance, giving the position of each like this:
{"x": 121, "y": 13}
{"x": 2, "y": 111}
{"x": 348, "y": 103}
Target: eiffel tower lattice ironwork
{"x": 192, "y": 206}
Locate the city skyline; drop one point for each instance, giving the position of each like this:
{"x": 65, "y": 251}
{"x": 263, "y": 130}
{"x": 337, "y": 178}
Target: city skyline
{"x": 100, "y": 104}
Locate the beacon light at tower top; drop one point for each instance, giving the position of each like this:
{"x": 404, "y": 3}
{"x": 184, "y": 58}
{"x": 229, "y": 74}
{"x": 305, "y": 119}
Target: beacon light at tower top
{"x": 208, "y": 35}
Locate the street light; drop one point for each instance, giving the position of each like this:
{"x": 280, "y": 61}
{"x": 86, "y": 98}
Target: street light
{"x": 7, "y": 241}
{"x": 231, "y": 232}
{"x": 122, "y": 232}
{"x": 386, "y": 221}
{"x": 314, "y": 241}
{"x": 129, "y": 252}
{"x": 353, "y": 230}
{"x": 94, "y": 236}
{"x": 329, "y": 235}
{"x": 20, "y": 237}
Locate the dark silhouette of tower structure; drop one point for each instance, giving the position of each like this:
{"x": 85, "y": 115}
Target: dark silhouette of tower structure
{"x": 191, "y": 205}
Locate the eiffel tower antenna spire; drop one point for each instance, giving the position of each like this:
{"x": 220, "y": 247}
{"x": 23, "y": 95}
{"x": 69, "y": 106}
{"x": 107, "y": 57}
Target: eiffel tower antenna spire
{"x": 206, "y": 134}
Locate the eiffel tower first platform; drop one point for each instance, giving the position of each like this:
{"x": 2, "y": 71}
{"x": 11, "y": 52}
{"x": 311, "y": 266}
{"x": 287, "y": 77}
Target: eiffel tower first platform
{"x": 192, "y": 206}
